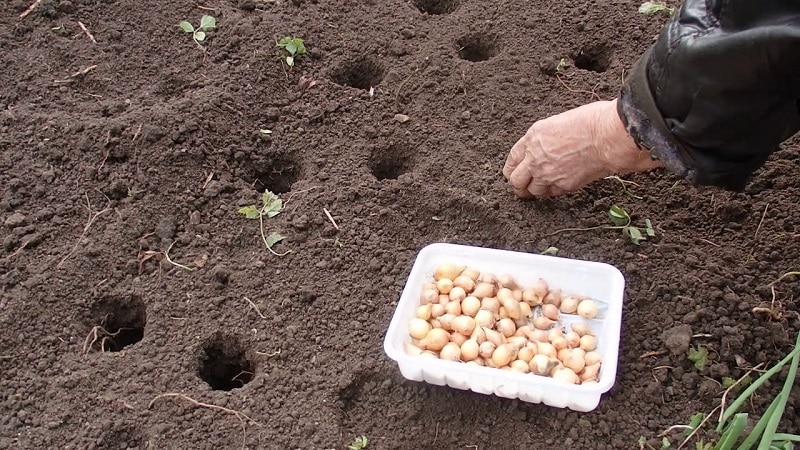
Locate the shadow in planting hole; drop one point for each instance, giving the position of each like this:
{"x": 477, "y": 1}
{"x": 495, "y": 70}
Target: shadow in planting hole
{"x": 116, "y": 323}
{"x": 596, "y": 58}
{"x": 435, "y": 7}
{"x": 122, "y": 437}
{"x": 361, "y": 73}
{"x": 389, "y": 163}
{"x": 278, "y": 175}
{"x": 477, "y": 47}
{"x": 223, "y": 363}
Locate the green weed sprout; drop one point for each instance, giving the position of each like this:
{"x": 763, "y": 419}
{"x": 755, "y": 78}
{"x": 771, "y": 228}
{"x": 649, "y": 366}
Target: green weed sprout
{"x": 650, "y": 8}
{"x": 207, "y": 23}
{"x": 622, "y": 220}
{"x": 295, "y": 47}
{"x": 359, "y": 443}
{"x": 271, "y": 206}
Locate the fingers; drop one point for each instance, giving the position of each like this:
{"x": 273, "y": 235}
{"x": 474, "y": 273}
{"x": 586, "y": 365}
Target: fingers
{"x": 520, "y": 179}
{"x": 515, "y": 157}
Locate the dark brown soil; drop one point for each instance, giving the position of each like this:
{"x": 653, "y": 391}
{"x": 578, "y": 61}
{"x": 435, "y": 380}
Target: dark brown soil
{"x": 156, "y": 144}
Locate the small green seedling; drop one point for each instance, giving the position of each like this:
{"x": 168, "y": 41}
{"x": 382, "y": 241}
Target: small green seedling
{"x": 562, "y": 64}
{"x": 699, "y": 356}
{"x": 622, "y": 219}
{"x": 552, "y": 251}
{"x": 295, "y": 47}
{"x": 651, "y": 8}
{"x": 207, "y": 23}
{"x": 271, "y": 206}
{"x": 359, "y": 443}
{"x": 61, "y": 29}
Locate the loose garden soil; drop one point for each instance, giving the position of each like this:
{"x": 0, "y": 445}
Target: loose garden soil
{"x": 128, "y": 142}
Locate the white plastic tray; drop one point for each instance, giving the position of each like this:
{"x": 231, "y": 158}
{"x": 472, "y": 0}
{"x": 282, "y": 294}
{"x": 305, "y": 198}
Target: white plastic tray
{"x": 602, "y": 282}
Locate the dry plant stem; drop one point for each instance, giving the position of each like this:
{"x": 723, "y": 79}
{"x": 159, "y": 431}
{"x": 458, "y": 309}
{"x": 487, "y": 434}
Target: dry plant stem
{"x": 253, "y": 305}
{"x": 166, "y": 256}
{"x": 87, "y": 32}
{"x": 270, "y": 354}
{"x": 328, "y": 213}
{"x": 730, "y": 388}
{"x": 93, "y": 334}
{"x": 653, "y": 353}
{"x": 787, "y": 274}
{"x": 400, "y": 88}
{"x": 697, "y": 428}
{"x": 77, "y": 74}
{"x": 578, "y": 91}
{"x": 243, "y": 418}
{"x": 761, "y": 222}
{"x": 30, "y": 9}
{"x": 89, "y": 222}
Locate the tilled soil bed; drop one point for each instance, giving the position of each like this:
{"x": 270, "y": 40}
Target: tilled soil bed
{"x": 127, "y": 149}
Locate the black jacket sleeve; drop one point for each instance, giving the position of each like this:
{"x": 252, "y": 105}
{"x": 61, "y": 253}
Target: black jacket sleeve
{"x": 719, "y": 90}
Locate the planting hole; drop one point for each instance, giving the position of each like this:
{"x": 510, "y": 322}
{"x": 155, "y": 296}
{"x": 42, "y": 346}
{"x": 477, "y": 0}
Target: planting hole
{"x": 476, "y": 47}
{"x": 117, "y": 322}
{"x": 434, "y": 7}
{"x": 277, "y": 174}
{"x": 123, "y": 437}
{"x": 390, "y": 163}
{"x": 362, "y": 73}
{"x": 596, "y": 58}
{"x": 223, "y": 363}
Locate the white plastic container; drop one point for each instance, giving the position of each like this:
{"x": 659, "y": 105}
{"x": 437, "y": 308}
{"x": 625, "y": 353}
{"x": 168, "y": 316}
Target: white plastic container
{"x": 601, "y": 282}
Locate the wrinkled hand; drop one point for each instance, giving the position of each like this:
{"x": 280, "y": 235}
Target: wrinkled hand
{"x": 565, "y": 152}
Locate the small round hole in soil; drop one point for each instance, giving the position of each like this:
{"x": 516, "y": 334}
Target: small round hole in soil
{"x": 435, "y": 7}
{"x": 476, "y": 47}
{"x": 595, "y": 58}
{"x": 277, "y": 175}
{"x": 117, "y": 323}
{"x": 223, "y": 363}
{"x": 123, "y": 437}
{"x": 362, "y": 73}
{"x": 389, "y": 163}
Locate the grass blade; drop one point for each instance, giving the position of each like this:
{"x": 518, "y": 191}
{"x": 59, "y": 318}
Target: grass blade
{"x": 755, "y": 385}
{"x": 731, "y": 436}
{"x": 759, "y": 428}
{"x": 786, "y": 437}
{"x": 775, "y": 419}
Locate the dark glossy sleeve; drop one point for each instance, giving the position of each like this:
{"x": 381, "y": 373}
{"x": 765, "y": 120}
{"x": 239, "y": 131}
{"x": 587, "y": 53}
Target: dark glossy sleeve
{"x": 719, "y": 90}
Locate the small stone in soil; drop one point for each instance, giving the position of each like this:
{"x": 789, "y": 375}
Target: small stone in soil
{"x": 16, "y": 220}
{"x": 677, "y": 339}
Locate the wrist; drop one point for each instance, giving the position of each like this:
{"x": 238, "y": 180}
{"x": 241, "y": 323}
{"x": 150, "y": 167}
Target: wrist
{"x": 616, "y": 148}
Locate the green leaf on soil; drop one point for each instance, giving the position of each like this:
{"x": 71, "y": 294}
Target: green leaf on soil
{"x": 651, "y": 8}
{"x": 552, "y": 251}
{"x": 186, "y": 26}
{"x": 273, "y": 205}
{"x": 634, "y": 235}
{"x": 251, "y": 212}
{"x": 618, "y": 216}
{"x": 273, "y": 239}
{"x": 290, "y": 61}
{"x": 649, "y": 229}
{"x": 208, "y": 23}
{"x": 699, "y": 356}
{"x": 200, "y": 36}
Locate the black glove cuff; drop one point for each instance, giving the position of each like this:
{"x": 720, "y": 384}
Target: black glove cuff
{"x": 642, "y": 119}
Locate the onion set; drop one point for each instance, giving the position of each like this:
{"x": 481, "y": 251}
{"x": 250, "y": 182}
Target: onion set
{"x": 492, "y": 320}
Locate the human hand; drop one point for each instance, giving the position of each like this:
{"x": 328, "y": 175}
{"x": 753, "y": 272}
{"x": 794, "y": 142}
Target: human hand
{"x": 565, "y": 152}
